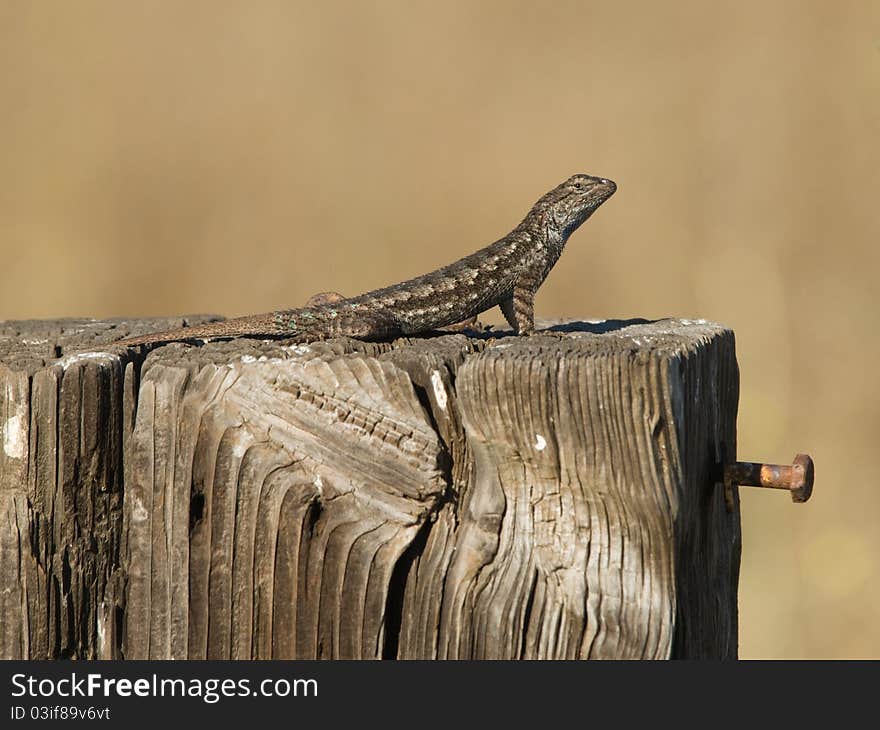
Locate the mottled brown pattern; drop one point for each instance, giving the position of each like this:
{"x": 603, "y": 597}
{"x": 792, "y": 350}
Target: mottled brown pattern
{"x": 506, "y": 273}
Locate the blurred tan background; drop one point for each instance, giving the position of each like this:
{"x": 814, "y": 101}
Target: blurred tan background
{"x": 231, "y": 157}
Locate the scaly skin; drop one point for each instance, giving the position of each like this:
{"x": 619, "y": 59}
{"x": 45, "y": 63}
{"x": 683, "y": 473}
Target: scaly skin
{"x": 506, "y": 273}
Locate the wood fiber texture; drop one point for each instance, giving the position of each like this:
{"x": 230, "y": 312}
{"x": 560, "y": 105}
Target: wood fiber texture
{"x": 63, "y": 421}
{"x": 456, "y": 496}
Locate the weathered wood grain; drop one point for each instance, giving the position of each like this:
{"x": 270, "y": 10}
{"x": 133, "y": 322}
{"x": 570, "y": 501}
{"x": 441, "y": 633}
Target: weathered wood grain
{"x": 456, "y": 496}
{"x": 319, "y": 469}
{"x": 63, "y": 419}
{"x": 589, "y": 510}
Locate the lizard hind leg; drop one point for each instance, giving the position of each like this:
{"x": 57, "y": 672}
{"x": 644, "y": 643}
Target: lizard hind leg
{"x": 362, "y": 323}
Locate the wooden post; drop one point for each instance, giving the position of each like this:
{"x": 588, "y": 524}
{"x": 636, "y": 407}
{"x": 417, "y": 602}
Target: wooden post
{"x": 442, "y": 497}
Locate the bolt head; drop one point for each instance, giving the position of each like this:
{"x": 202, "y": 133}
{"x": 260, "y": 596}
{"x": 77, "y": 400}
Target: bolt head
{"x": 801, "y": 478}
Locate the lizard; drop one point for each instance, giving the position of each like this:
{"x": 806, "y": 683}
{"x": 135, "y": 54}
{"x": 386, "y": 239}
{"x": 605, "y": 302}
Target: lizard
{"x": 506, "y": 273}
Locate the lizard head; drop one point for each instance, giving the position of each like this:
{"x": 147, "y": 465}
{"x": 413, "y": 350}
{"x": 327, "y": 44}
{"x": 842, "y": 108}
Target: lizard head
{"x": 568, "y": 205}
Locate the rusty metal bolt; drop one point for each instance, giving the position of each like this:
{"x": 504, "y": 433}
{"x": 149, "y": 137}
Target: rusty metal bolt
{"x": 797, "y": 478}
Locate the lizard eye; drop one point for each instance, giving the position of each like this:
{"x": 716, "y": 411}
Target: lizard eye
{"x": 578, "y": 186}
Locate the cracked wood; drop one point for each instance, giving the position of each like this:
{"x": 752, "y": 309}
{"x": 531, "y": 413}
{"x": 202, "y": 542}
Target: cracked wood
{"x": 451, "y": 497}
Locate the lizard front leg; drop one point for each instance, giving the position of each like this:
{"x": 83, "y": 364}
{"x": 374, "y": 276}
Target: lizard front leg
{"x": 519, "y": 309}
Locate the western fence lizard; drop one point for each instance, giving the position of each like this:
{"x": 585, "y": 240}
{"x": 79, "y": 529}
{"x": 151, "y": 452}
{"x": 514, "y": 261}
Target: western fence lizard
{"x": 505, "y": 273}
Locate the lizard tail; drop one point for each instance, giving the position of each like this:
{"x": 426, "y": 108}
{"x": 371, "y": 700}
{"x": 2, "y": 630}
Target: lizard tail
{"x": 313, "y": 323}
{"x": 261, "y": 325}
